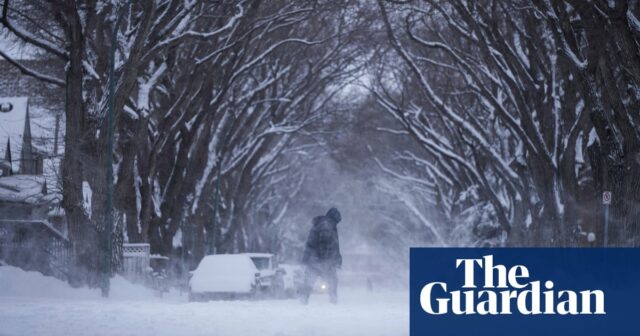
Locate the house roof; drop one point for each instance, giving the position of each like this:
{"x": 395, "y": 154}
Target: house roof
{"x": 25, "y": 189}
{"x": 12, "y": 128}
{"x": 13, "y": 113}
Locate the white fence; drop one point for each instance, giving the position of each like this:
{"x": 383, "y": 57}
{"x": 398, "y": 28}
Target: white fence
{"x": 135, "y": 261}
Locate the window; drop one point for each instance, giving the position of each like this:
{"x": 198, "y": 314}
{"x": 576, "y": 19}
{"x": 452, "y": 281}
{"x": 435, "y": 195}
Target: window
{"x": 261, "y": 263}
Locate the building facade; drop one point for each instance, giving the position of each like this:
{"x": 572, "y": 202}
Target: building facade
{"x": 32, "y": 224}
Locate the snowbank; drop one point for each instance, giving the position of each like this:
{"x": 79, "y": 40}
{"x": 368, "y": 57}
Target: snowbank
{"x": 121, "y": 289}
{"x": 33, "y": 304}
{"x": 18, "y": 283}
{"x": 15, "y": 282}
{"x": 357, "y": 313}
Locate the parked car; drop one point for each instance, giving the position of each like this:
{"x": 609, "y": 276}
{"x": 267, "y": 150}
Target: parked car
{"x": 270, "y": 279}
{"x": 224, "y": 277}
{"x": 236, "y": 276}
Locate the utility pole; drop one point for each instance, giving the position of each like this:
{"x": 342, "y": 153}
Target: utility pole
{"x": 109, "y": 159}
{"x": 606, "y": 201}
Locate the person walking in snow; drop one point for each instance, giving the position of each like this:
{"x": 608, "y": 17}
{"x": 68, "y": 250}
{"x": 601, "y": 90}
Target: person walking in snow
{"x": 322, "y": 255}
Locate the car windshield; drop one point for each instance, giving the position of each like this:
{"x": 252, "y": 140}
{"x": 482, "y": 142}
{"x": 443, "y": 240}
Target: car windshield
{"x": 261, "y": 263}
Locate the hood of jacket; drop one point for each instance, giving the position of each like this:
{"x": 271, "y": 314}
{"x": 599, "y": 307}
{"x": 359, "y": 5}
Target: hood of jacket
{"x": 334, "y": 215}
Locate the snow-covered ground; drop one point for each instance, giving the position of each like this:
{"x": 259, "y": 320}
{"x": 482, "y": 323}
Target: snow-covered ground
{"x": 31, "y": 304}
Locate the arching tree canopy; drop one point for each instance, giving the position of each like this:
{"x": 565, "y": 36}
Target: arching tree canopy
{"x": 432, "y": 122}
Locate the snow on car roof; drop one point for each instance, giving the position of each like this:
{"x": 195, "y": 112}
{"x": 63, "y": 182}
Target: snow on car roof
{"x": 226, "y": 262}
{"x": 224, "y": 273}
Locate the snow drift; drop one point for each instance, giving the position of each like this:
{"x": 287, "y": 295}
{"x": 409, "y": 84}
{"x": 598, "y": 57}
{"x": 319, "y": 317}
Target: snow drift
{"x": 15, "y": 282}
{"x": 33, "y": 304}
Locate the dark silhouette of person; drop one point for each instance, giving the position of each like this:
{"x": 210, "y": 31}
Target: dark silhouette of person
{"x": 322, "y": 255}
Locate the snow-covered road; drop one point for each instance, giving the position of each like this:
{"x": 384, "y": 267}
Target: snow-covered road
{"x": 358, "y": 313}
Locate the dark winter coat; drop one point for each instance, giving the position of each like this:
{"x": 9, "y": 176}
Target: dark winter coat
{"x": 323, "y": 246}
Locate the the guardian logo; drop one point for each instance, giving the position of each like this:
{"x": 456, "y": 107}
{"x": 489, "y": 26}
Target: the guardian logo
{"x": 502, "y": 291}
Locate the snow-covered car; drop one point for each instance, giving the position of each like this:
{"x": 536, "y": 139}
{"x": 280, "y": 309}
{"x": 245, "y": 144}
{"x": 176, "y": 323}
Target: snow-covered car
{"x": 293, "y": 278}
{"x": 224, "y": 277}
{"x": 270, "y": 279}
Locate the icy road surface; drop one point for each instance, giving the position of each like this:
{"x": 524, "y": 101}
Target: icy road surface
{"x": 42, "y": 313}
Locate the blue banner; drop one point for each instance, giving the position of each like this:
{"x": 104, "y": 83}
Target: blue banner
{"x": 524, "y": 291}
